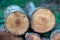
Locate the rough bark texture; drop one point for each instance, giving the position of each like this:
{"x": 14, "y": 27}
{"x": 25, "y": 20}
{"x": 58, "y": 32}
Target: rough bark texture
{"x": 7, "y": 36}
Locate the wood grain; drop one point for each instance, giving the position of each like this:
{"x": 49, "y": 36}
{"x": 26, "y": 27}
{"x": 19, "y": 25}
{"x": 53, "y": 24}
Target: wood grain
{"x": 17, "y": 23}
{"x": 42, "y": 20}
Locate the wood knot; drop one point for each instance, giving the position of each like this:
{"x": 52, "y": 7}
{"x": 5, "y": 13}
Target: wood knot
{"x": 17, "y": 22}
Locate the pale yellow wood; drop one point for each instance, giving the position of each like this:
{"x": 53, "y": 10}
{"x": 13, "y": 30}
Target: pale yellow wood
{"x": 42, "y": 20}
{"x": 17, "y": 23}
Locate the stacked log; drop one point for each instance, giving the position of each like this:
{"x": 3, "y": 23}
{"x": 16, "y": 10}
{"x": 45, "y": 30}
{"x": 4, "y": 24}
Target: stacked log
{"x": 8, "y": 36}
{"x": 55, "y": 35}
{"x": 42, "y": 20}
{"x": 16, "y": 22}
{"x": 32, "y": 36}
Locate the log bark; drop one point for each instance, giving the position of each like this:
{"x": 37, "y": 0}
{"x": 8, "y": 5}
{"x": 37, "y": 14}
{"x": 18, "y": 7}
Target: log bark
{"x": 8, "y": 36}
{"x": 32, "y": 36}
{"x": 55, "y": 35}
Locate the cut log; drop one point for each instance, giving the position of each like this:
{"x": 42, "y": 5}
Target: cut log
{"x": 32, "y": 36}
{"x": 17, "y": 23}
{"x": 42, "y": 20}
{"x": 55, "y": 35}
{"x": 8, "y": 36}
